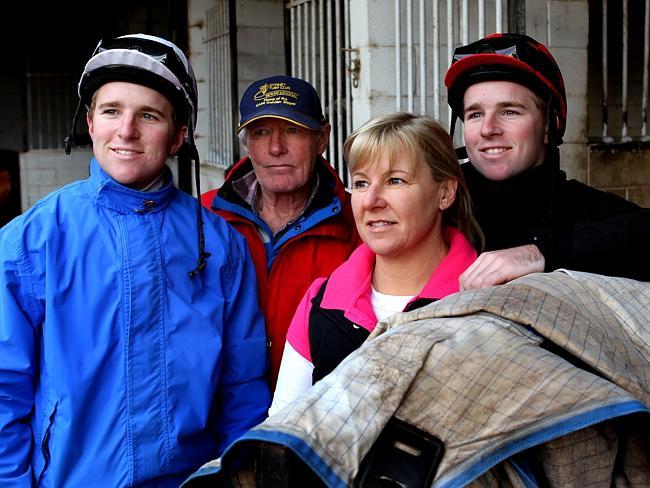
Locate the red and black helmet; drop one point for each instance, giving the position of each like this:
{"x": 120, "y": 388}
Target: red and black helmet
{"x": 508, "y": 57}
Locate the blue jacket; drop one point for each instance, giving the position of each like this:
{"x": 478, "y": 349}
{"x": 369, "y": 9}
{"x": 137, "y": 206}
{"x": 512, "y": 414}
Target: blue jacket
{"x": 116, "y": 368}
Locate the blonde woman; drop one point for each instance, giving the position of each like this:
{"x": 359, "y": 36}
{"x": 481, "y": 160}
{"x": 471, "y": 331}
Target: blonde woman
{"x": 413, "y": 213}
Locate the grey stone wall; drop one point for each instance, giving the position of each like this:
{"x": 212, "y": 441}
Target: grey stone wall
{"x": 43, "y": 171}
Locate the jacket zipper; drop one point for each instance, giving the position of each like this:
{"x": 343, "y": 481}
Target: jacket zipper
{"x": 45, "y": 443}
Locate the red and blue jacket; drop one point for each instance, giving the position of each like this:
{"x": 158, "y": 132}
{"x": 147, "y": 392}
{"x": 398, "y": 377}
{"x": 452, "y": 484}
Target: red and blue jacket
{"x": 316, "y": 245}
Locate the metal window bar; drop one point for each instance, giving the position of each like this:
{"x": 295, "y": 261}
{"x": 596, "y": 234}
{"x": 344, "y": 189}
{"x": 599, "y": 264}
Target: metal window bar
{"x": 320, "y": 42}
{"x": 461, "y": 20}
{"x": 300, "y": 45}
{"x": 398, "y": 57}
{"x": 409, "y": 55}
{"x": 436, "y": 59}
{"x": 51, "y": 100}
{"x": 320, "y": 85}
{"x": 464, "y": 24}
{"x": 329, "y": 97}
{"x": 220, "y": 116}
{"x": 646, "y": 56}
{"x": 624, "y": 88}
{"x": 306, "y": 43}
{"x": 338, "y": 45}
{"x": 212, "y": 86}
{"x": 314, "y": 45}
{"x": 605, "y": 135}
{"x": 624, "y": 119}
{"x": 423, "y": 59}
{"x": 450, "y": 43}
{"x": 348, "y": 59}
{"x": 499, "y": 17}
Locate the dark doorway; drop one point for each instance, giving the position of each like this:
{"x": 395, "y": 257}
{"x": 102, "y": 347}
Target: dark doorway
{"x": 9, "y": 186}
{"x": 62, "y": 35}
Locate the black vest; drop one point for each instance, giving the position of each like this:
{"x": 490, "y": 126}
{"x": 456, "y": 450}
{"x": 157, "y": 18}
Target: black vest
{"x": 333, "y": 337}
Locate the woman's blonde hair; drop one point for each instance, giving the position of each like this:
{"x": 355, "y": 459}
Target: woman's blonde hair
{"x": 417, "y": 137}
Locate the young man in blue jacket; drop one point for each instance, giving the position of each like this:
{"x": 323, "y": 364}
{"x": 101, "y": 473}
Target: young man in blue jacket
{"x": 122, "y": 361}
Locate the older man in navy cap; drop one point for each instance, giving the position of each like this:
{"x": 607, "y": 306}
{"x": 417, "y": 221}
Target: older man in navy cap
{"x": 285, "y": 199}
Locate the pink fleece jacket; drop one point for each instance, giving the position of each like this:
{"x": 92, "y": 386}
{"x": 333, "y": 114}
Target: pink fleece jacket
{"x": 348, "y": 288}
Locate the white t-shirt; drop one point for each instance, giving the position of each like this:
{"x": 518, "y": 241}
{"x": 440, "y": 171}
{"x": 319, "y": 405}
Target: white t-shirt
{"x": 386, "y": 305}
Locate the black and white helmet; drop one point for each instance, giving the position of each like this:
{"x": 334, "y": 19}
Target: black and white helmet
{"x": 158, "y": 64}
{"x": 146, "y": 60}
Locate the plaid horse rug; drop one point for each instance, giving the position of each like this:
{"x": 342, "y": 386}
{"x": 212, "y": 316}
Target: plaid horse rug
{"x": 542, "y": 381}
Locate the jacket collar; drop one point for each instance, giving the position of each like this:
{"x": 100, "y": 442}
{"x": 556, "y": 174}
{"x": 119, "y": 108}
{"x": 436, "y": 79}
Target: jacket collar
{"x": 123, "y": 199}
{"x": 247, "y": 188}
{"x": 328, "y": 200}
{"x": 348, "y": 288}
{"x": 542, "y": 177}
{"x": 444, "y": 280}
{"x": 329, "y": 182}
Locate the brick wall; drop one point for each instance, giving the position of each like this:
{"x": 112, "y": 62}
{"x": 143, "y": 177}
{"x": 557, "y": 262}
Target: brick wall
{"x": 623, "y": 169}
{"x": 43, "y": 171}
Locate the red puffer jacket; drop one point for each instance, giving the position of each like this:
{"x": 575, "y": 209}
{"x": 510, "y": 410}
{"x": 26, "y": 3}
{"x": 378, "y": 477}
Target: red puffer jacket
{"x": 315, "y": 246}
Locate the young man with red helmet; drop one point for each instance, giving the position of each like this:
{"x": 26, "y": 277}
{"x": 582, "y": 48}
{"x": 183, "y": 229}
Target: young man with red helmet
{"x": 509, "y": 93}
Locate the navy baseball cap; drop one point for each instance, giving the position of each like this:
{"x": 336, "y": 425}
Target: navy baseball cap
{"x": 282, "y": 97}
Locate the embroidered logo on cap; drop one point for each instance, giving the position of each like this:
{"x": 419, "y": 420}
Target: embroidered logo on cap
{"x": 276, "y": 93}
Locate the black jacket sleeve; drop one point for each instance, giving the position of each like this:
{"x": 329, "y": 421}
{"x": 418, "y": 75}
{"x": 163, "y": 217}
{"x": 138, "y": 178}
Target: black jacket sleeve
{"x": 595, "y": 231}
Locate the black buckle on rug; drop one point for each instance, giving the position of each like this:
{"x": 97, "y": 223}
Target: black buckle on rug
{"x": 402, "y": 456}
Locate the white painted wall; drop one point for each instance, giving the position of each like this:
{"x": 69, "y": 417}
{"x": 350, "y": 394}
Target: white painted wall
{"x": 373, "y": 34}
{"x": 561, "y": 24}
{"x": 260, "y": 40}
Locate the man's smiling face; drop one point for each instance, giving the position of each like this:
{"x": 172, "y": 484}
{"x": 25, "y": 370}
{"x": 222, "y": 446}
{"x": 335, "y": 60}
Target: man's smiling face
{"x": 504, "y": 129}
{"x": 133, "y": 132}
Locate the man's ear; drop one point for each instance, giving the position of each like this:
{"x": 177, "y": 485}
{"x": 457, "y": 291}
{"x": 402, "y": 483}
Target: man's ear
{"x": 89, "y": 121}
{"x": 447, "y": 194}
{"x": 177, "y": 140}
{"x": 555, "y": 119}
{"x": 324, "y": 138}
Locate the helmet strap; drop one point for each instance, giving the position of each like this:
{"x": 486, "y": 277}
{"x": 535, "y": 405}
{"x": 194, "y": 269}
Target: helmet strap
{"x": 553, "y": 151}
{"x": 452, "y": 123}
{"x": 203, "y": 255}
{"x": 72, "y": 139}
{"x": 461, "y": 152}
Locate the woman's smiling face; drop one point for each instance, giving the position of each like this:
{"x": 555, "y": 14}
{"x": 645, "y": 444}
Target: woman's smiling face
{"x": 396, "y": 204}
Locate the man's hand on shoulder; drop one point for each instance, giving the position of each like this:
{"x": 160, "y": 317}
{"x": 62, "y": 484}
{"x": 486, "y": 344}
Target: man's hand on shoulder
{"x": 498, "y": 267}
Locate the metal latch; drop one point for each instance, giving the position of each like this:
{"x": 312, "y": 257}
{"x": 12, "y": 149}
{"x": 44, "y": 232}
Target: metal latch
{"x": 354, "y": 64}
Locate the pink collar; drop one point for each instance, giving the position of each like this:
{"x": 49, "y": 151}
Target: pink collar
{"x": 348, "y": 288}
